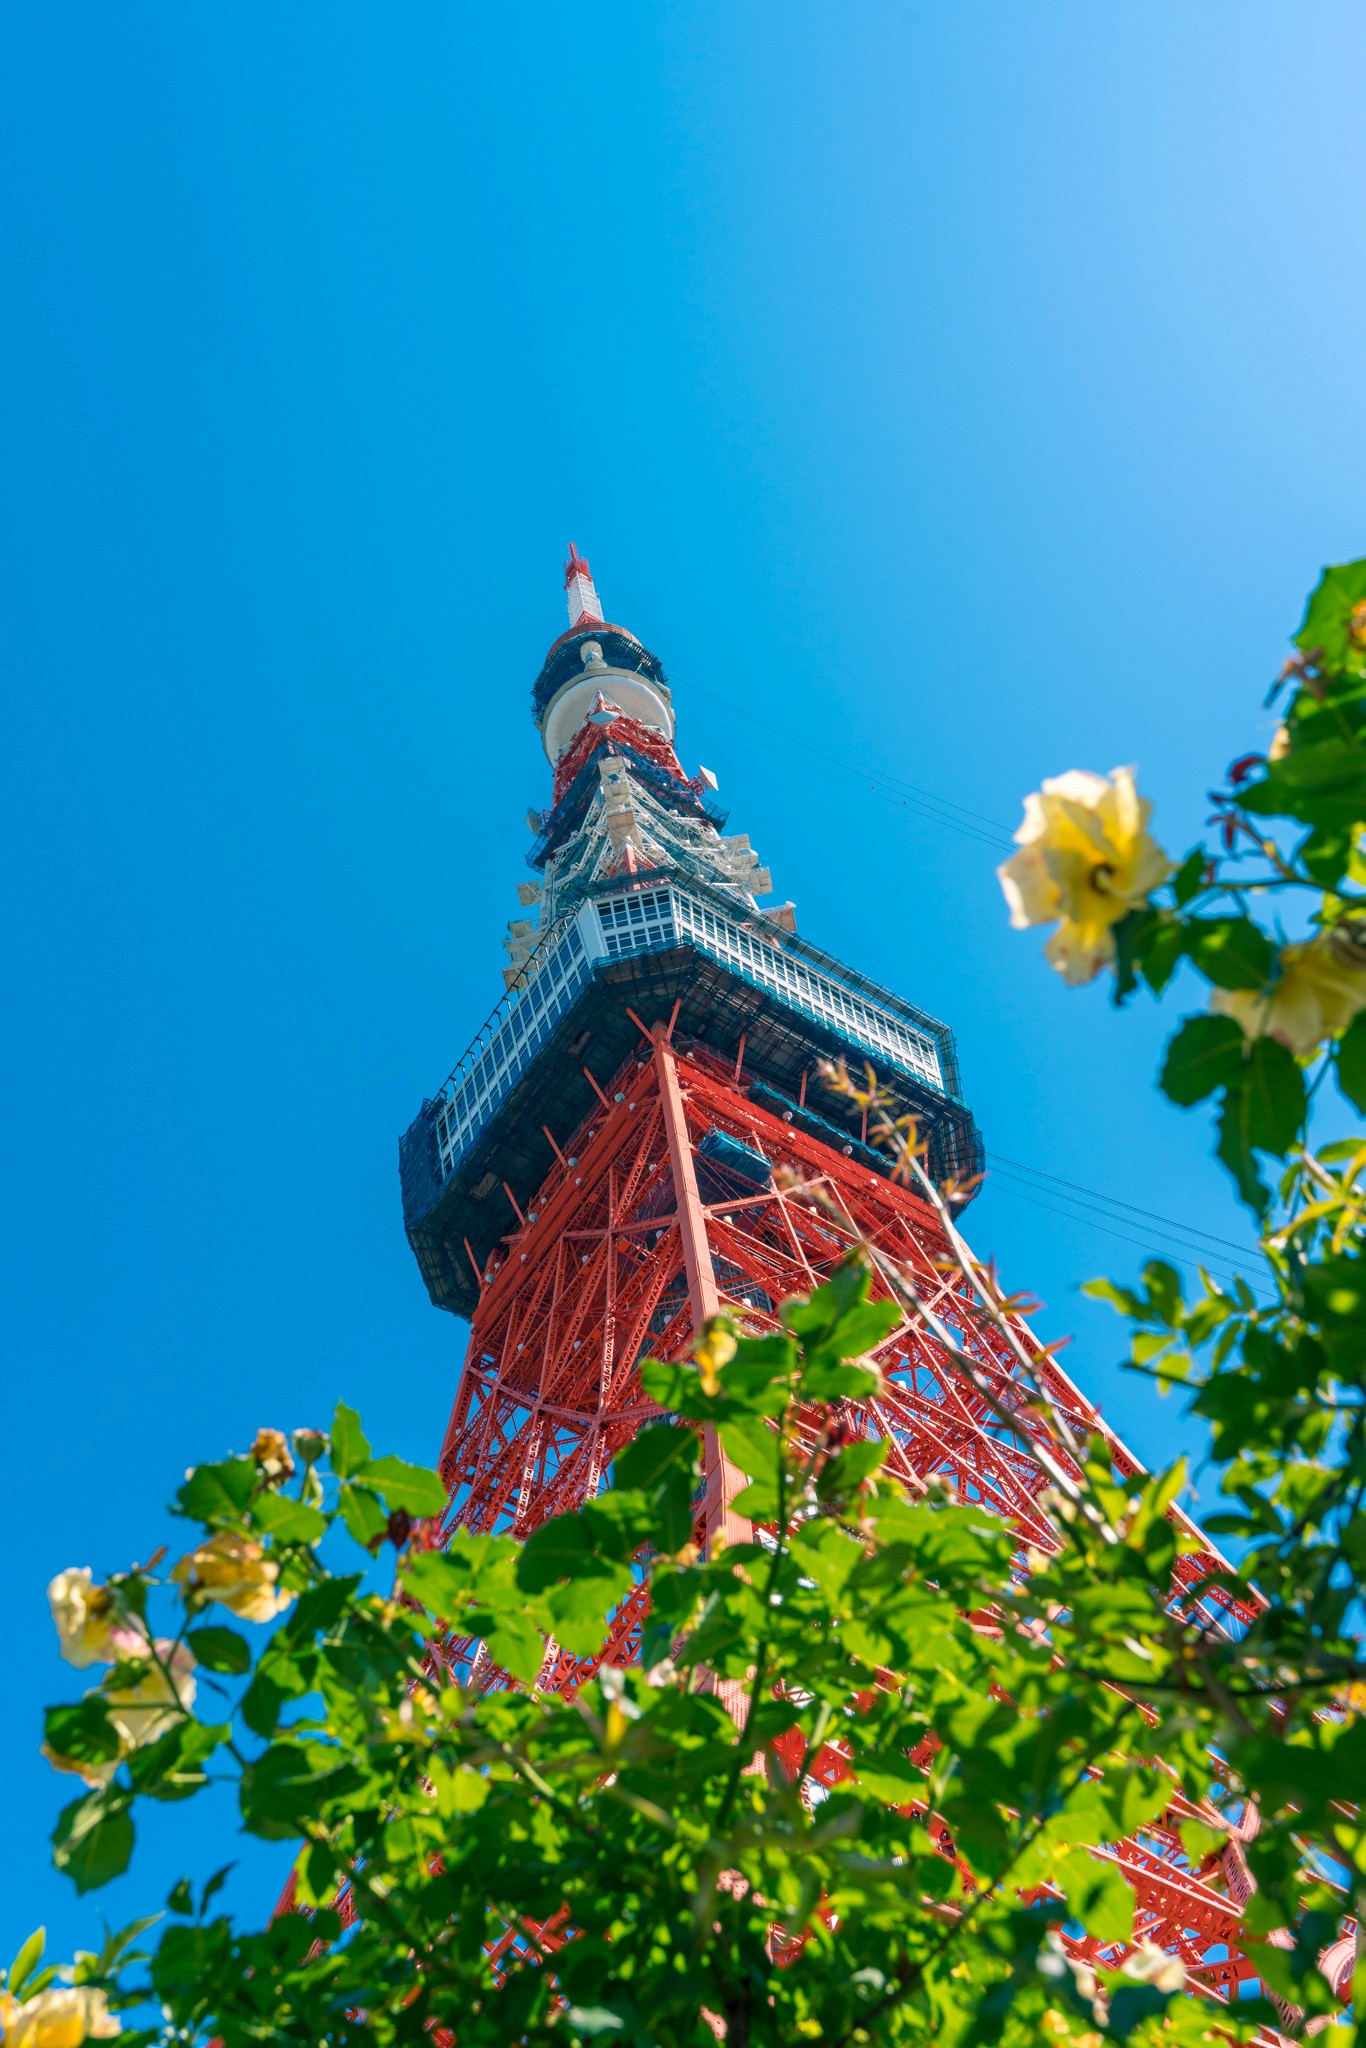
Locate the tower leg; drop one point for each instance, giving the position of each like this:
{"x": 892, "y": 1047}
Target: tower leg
{"x": 724, "y": 1480}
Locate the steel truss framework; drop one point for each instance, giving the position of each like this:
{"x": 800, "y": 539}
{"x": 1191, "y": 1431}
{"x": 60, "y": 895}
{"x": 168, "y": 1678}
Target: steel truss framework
{"x": 681, "y": 1196}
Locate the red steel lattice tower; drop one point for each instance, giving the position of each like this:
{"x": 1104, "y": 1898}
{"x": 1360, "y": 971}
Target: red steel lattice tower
{"x": 613, "y": 1160}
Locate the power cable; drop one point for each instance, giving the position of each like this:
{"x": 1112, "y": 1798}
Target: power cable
{"x": 1157, "y": 1242}
{"x": 1192, "y": 1264}
{"x": 943, "y": 811}
{"x": 1170, "y": 1223}
{"x": 889, "y": 788}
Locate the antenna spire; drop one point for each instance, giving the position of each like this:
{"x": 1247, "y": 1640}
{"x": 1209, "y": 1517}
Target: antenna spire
{"x": 585, "y": 606}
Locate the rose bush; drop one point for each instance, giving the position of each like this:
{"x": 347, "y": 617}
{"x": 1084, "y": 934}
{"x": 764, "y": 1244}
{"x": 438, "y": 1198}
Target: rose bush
{"x": 860, "y": 1786}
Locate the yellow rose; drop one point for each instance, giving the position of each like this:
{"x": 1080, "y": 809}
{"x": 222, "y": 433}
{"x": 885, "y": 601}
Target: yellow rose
{"x": 1086, "y": 859}
{"x": 236, "y": 1571}
{"x": 84, "y": 1615}
{"x": 148, "y": 1707}
{"x": 1321, "y": 988}
{"x": 62, "y": 2017}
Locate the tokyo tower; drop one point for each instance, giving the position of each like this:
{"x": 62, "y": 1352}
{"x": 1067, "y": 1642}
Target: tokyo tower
{"x": 615, "y": 1158}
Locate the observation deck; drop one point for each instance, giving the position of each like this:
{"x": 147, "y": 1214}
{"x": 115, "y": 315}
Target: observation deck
{"x": 765, "y": 999}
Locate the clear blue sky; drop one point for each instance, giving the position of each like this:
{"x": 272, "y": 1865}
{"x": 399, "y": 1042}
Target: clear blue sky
{"x": 971, "y": 391}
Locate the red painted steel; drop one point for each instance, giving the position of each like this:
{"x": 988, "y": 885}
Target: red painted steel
{"x": 640, "y": 1234}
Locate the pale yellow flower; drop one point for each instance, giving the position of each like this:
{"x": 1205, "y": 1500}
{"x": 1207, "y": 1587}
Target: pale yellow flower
{"x": 235, "y": 1571}
{"x": 62, "y": 2017}
{"x": 1321, "y": 988}
{"x": 1086, "y": 859}
{"x": 148, "y": 1707}
{"x": 1149, "y": 1964}
{"x": 84, "y": 1615}
{"x": 714, "y": 1348}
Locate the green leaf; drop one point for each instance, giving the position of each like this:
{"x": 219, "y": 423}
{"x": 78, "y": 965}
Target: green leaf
{"x": 1096, "y": 1895}
{"x": 412, "y": 1487}
{"x": 289, "y": 1521}
{"x": 1275, "y": 1095}
{"x": 580, "y": 1609}
{"x": 1351, "y": 1062}
{"x": 321, "y": 1607}
{"x": 1232, "y": 952}
{"x": 349, "y": 1448}
{"x": 1162, "y": 953}
{"x": 1188, "y": 877}
{"x": 750, "y": 1444}
{"x": 1122, "y": 1299}
{"x": 850, "y": 1467}
{"x": 172, "y": 1766}
{"x": 562, "y": 1548}
{"x": 823, "y": 1380}
{"x": 672, "y": 1514}
{"x": 83, "y": 1732}
{"x": 759, "y": 1502}
{"x": 363, "y": 1515}
{"x": 1325, "y": 854}
{"x": 1130, "y": 2005}
{"x": 1327, "y": 619}
{"x": 261, "y": 1704}
{"x": 220, "y": 1649}
{"x": 1322, "y": 784}
{"x": 1204, "y": 1054}
{"x": 180, "y": 1898}
{"x": 93, "y": 1840}
{"x": 1235, "y": 1150}
{"x": 892, "y": 1778}
{"x": 517, "y": 1644}
{"x": 862, "y": 1328}
{"x": 663, "y": 1382}
{"x": 26, "y": 1962}
{"x": 1131, "y": 936}
{"x": 642, "y": 1461}
{"x": 287, "y": 1787}
{"x": 218, "y": 1494}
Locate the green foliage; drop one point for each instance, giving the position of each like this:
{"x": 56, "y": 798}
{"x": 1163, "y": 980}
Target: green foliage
{"x": 863, "y": 1783}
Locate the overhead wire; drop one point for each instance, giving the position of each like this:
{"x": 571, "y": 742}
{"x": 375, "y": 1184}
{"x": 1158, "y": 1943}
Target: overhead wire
{"x": 893, "y": 789}
{"x": 1196, "y": 1247}
{"x": 1156, "y": 1243}
{"x": 999, "y": 1160}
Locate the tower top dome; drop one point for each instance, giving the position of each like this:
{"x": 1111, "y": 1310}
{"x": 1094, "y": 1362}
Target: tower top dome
{"x": 593, "y": 650}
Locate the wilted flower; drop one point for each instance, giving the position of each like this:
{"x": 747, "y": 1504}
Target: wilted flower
{"x": 271, "y": 1452}
{"x": 1086, "y": 859}
{"x": 235, "y": 1571}
{"x": 148, "y": 1707}
{"x": 62, "y": 2017}
{"x": 84, "y": 1615}
{"x": 1322, "y": 986}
